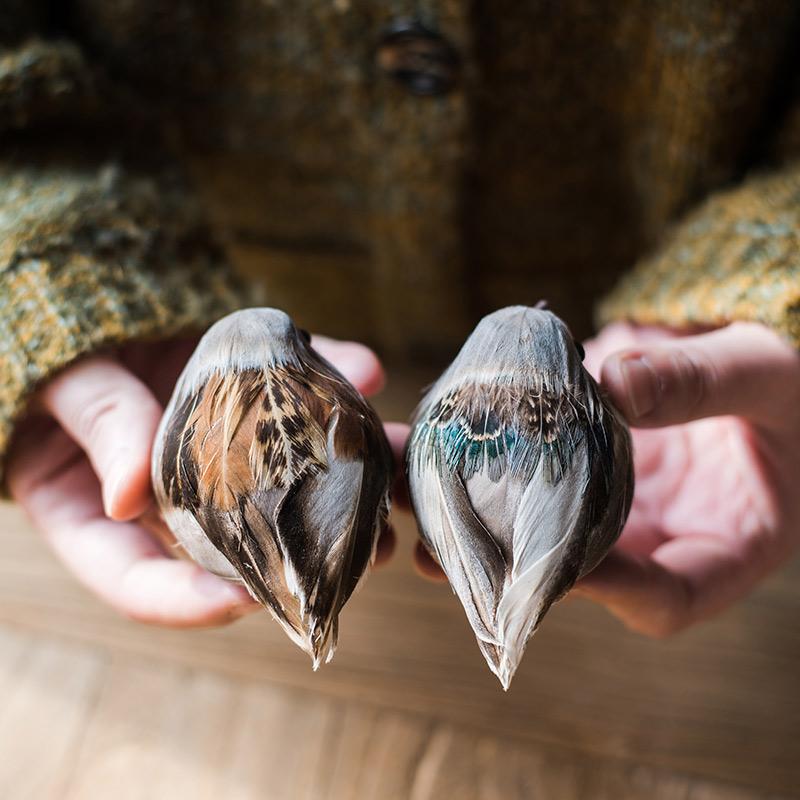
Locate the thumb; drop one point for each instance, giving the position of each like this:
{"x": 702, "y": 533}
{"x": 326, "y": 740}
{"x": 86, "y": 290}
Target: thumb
{"x": 113, "y": 417}
{"x": 743, "y": 369}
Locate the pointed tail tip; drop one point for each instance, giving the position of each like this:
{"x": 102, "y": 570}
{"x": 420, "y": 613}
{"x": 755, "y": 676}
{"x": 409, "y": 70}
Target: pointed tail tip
{"x": 320, "y": 656}
{"x": 505, "y": 675}
{"x": 320, "y": 643}
{"x": 502, "y": 665}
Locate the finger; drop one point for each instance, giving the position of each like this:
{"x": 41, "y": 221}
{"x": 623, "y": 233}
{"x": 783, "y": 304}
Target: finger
{"x": 385, "y": 548}
{"x": 744, "y": 369}
{"x": 119, "y": 561}
{"x": 113, "y": 416}
{"x": 619, "y": 336}
{"x": 355, "y": 361}
{"x": 397, "y": 434}
{"x": 613, "y": 337}
{"x": 153, "y": 522}
{"x": 686, "y": 580}
{"x": 427, "y": 565}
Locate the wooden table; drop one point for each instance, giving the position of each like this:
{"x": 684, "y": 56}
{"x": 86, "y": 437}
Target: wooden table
{"x": 99, "y": 707}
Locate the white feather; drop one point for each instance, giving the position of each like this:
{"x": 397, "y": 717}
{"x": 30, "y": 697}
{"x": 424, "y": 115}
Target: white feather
{"x": 545, "y": 523}
{"x": 466, "y": 573}
{"x": 194, "y": 540}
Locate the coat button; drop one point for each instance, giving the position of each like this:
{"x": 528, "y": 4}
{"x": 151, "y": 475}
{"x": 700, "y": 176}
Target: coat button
{"x": 418, "y": 57}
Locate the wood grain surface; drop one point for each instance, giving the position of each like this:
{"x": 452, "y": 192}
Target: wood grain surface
{"x": 87, "y": 722}
{"x": 96, "y": 706}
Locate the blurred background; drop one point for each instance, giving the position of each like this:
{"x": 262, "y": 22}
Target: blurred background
{"x": 96, "y": 706}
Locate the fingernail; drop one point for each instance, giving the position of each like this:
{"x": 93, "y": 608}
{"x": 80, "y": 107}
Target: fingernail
{"x": 111, "y": 491}
{"x": 114, "y": 483}
{"x": 642, "y": 387}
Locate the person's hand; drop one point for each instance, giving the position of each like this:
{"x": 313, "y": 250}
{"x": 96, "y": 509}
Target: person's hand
{"x": 716, "y": 433}
{"x": 716, "y": 420}
{"x": 80, "y": 468}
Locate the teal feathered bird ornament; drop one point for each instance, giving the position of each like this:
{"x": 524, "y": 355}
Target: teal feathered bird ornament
{"x": 520, "y": 476}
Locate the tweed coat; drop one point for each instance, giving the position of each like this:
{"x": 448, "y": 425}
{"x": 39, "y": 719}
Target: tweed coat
{"x": 390, "y": 170}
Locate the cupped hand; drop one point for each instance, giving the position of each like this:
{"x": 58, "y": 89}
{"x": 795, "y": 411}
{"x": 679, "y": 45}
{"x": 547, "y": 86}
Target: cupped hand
{"x": 80, "y": 468}
{"x": 716, "y": 433}
{"x": 715, "y": 420}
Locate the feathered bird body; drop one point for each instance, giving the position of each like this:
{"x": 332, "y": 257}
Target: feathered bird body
{"x": 272, "y": 470}
{"x": 520, "y": 476}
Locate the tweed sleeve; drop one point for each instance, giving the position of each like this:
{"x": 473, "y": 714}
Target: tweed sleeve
{"x": 736, "y": 257}
{"x": 91, "y": 256}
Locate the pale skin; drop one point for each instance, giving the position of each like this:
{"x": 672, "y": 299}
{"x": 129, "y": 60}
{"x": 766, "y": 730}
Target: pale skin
{"x": 716, "y": 427}
{"x": 80, "y": 468}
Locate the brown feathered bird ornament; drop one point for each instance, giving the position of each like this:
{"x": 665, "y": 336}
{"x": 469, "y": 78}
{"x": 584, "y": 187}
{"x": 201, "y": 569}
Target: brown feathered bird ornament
{"x": 272, "y": 470}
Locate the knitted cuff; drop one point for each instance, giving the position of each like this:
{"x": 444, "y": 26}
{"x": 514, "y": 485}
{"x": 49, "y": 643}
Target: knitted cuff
{"x": 736, "y": 258}
{"x": 89, "y": 260}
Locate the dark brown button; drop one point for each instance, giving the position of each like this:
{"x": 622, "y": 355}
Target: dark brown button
{"x": 418, "y": 57}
